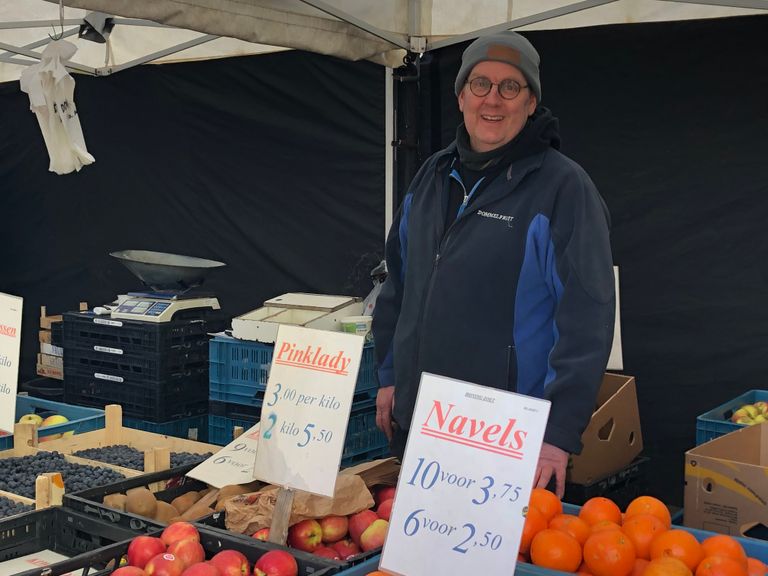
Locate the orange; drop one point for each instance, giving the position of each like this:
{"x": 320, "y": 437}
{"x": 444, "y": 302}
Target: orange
{"x": 649, "y": 505}
{"x": 556, "y": 550}
{"x": 535, "y": 522}
{"x": 678, "y": 544}
{"x": 378, "y": 573}
{"x": 642, "y": 529}
{"x": 603, "y": 525}
{"x": 756, "y": 567}
{"x": 609, "y": 553}
{"x": 583, "y": 570}
{"x": 600, "y": 508}
{"x": 724, "y": 545}
{"x": 547, "y": 502}
{"x": 721, "y": 566}
{"x": 571, "y": 524}
{"x": 639, "y": 567}
{"x": 667, "y": 566}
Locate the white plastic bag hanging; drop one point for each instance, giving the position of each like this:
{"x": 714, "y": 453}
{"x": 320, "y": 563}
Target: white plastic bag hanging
{"x": 51, "y": 97}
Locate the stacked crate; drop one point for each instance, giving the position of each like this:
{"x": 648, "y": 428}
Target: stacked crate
{"x": 238, "y": 378}
{"x": 50, "y": 361}
{"x": 157, "y": 371}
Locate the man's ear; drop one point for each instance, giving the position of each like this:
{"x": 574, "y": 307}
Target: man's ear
{"x": 461, "y": 100}
{"x": 532, "y": 104}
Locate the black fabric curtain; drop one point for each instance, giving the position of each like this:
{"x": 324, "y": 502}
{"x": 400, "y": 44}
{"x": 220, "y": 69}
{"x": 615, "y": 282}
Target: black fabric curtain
{"x": 671, "y": 122}
{"x": 273, "y": 164}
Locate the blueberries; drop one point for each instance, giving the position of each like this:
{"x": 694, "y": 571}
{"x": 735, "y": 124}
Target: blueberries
{"x": 129, "y": 457}
{"x": 10, "y": 507}
{"x": 18, "y": 474}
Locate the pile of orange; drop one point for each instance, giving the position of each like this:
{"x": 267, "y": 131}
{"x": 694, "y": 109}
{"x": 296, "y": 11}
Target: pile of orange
{"x": 603, "y": 541}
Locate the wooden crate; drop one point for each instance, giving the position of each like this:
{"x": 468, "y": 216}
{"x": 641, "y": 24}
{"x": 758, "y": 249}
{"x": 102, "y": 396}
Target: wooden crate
{"x": 157, "y": 448}
{"x": 49, "y": 487}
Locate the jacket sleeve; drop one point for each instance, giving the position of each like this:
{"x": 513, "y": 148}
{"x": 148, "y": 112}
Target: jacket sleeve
{"x": 387, "y": 311}
{"x": 582, "y": 278}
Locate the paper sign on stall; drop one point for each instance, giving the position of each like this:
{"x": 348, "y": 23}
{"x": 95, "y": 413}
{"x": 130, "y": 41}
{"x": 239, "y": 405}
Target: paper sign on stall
{"x": 306, "y": 408}
{"x": 10, "y": 343}
{"x": 466, "y": 480}
{"x": 233, "y": 464}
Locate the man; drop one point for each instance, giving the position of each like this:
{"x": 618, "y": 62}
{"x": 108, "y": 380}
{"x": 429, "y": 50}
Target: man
{"x": 499, "y": 262}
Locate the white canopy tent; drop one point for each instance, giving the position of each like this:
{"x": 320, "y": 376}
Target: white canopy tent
{"x": 162, "y": 31}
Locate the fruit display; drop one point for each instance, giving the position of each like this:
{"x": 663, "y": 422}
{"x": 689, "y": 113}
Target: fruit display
{"x": 18, "y": 474}
{"x": 10, "y": 507}
{"x": 130, "y": 457}
{"x": 603, "y": 540}
{"x": 342, "y": 537}
{"x": 178, "y": 551}
{"x": 40, "y": 422}
{"x": 750, "y": 414}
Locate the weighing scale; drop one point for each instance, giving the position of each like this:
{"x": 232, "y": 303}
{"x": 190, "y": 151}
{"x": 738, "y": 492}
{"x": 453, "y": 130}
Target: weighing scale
{"x": 171, "y": 277}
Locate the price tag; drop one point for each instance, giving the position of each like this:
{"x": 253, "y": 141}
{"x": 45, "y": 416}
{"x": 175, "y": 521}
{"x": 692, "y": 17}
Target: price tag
{"x": 10, "y": 342}
{"x": 233, "y": 464}
{"x": 306, "y": 408}
{"x": 466, "y": 480}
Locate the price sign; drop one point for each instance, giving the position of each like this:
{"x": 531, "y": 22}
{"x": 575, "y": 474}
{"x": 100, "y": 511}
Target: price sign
{"x": 306, "y": 408}
{"x": 10, "y": 342}
{"x": 233, "y": 464}
{"x": 466, "y": 480}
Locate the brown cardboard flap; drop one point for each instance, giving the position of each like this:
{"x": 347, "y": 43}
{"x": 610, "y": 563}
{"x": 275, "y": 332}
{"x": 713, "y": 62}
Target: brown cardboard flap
{"x": 613, "y": 437}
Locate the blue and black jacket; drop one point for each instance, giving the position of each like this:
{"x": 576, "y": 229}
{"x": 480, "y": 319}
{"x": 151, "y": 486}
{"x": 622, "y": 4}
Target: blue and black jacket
{"x": 517, "y": 293}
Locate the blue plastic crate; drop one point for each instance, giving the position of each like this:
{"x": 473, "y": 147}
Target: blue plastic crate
{"x": 716, "y": 423}
{"x": 178, "y": 428}
{"x": 81, "y": 419}
{"x": 239, "y": 370}
{"x": 364, "y": 441}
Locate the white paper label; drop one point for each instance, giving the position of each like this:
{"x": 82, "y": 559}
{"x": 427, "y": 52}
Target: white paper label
{"x": 306, "y": 408}
{"x": 233, "y": 464}
{"x": 466, "y": 480}
{"x": 109, "y": 377}
{"x": 10, "y": 342}
{"x": 107, "y": 322}
{"x": 108, "y": 350}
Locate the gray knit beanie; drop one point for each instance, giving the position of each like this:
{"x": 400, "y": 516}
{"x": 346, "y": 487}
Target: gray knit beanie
{"x": 509, "y": 47}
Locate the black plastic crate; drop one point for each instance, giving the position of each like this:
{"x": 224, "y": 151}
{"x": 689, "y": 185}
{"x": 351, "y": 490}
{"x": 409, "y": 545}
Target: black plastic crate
{"x": 213, "y": 541}
{"x": 149, "y": 366}
{"x": 66, "y": 532}
{"x": 89, "y": 502}
{"x": 57, "y": 333}
{"x": 622, "y": 487}
{"x": 175, "y": 397}
{"x": 86, "y": 330}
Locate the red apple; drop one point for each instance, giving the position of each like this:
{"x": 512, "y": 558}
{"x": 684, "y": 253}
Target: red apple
{"x": 231, "y": 563}
{"x": 383, "y": 493}
{"x": 276, "y": 563}
{"x": 334, "y": 528}
{"x": 359, "y": 522}
{"x": 142, "y": 548}
{"x": 305, "y": 535}
{"x": 179, "y": 531}
{"x": 262, "y": 534}
{"x": 374, "y": 535}
{"x": 202, "y": 569}
{"x": 385, "y": 509}
{"x": 164, "y": 565}
{"x": 129, "y": 571}
{"x": 327, "y": 552}
{"x": 190, "y": 551}
{"x": 346, "y": 548}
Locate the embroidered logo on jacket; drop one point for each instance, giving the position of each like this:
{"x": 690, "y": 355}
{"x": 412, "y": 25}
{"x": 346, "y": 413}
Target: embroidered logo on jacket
{"x": 496, "y": 216}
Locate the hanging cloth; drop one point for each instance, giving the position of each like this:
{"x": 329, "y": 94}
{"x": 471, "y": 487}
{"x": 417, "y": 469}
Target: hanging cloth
{"x": 51, "y": 97}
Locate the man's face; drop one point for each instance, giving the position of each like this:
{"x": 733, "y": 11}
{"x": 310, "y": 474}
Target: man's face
{"x": 491, "y": 120}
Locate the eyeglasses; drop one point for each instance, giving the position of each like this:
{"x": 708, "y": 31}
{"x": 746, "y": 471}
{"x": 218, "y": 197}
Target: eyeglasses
{"x": 508, "y": 89}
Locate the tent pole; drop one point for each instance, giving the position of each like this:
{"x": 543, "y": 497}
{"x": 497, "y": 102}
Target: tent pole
{"x": 389, "y": 168}
{"x": 749, "y": 4}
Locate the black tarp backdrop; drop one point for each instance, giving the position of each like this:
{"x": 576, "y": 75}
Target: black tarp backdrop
{"x": 671, "y": 122}
{"x": 272, "y": 164}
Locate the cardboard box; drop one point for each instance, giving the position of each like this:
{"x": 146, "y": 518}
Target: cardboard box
{"x": 725, "y": 482}
{"x": 613, "y": 437}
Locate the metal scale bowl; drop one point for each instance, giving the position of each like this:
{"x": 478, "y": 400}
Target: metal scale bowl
{"x": 171, "y": 277}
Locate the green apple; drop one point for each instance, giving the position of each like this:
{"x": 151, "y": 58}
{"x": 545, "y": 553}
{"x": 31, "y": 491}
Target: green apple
{"x": 759, "y": 419}
{"x": 745, "y": 420}
{"x": 35, "y": 419}
{"x": 751, "y": 410}
{"x": 740, "y": 414}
